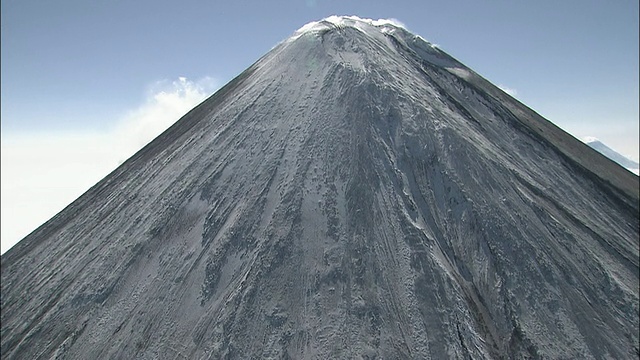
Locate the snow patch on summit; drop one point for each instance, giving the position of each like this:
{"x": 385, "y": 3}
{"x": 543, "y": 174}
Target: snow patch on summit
{"x": 362, "y": 24}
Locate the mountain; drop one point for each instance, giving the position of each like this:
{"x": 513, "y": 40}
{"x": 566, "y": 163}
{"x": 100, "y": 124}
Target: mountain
{"x": 355, "y": 193}
{"x": 612, "y": 154}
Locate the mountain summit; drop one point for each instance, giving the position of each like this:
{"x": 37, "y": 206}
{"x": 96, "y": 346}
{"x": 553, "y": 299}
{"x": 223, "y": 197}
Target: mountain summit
{"x": 355, "y": 193}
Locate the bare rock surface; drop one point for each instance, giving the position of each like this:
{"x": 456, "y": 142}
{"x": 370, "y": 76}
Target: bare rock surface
{"x": 356, "y": 193}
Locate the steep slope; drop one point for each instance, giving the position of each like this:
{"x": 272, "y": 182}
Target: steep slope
{"x": 354, "y": 193}
{"x": 613, "y": 155}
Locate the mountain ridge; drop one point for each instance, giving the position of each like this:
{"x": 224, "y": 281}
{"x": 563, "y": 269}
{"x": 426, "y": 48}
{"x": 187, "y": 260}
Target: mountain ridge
{"x": 615, "y": 156}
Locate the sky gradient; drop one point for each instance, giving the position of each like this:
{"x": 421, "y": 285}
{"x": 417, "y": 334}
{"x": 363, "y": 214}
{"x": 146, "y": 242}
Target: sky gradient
{"x": 85, "y": 84}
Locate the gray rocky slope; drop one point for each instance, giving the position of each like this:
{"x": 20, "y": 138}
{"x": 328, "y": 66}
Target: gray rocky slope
{"x": 355, "y": 193}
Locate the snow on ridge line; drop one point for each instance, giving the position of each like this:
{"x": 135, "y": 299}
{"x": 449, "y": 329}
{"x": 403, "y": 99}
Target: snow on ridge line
{"x": 590, "y": 139}
{"x": 354, "y": 21}
{"x": 345, "y": 21}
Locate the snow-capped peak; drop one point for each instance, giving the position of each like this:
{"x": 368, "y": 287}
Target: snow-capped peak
{"x": 356, "y": 22}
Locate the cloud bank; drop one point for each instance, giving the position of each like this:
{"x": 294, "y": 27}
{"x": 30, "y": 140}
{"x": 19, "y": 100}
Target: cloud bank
{"x": 166, "y": 103}
{"x": 43, "y": 173}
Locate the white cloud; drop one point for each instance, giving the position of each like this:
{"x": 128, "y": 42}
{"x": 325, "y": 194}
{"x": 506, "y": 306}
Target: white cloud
{"x": 43, "y": 173}
{"x": 508, "y": 90}
{"x": 166, "y": 103}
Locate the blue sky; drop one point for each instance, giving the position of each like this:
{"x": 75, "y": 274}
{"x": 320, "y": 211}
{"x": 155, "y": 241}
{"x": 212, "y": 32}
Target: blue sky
{"x": 78, "y": 74}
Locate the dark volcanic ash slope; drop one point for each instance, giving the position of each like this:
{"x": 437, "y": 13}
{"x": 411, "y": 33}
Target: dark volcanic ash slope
{"x": 354, "y": 193}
